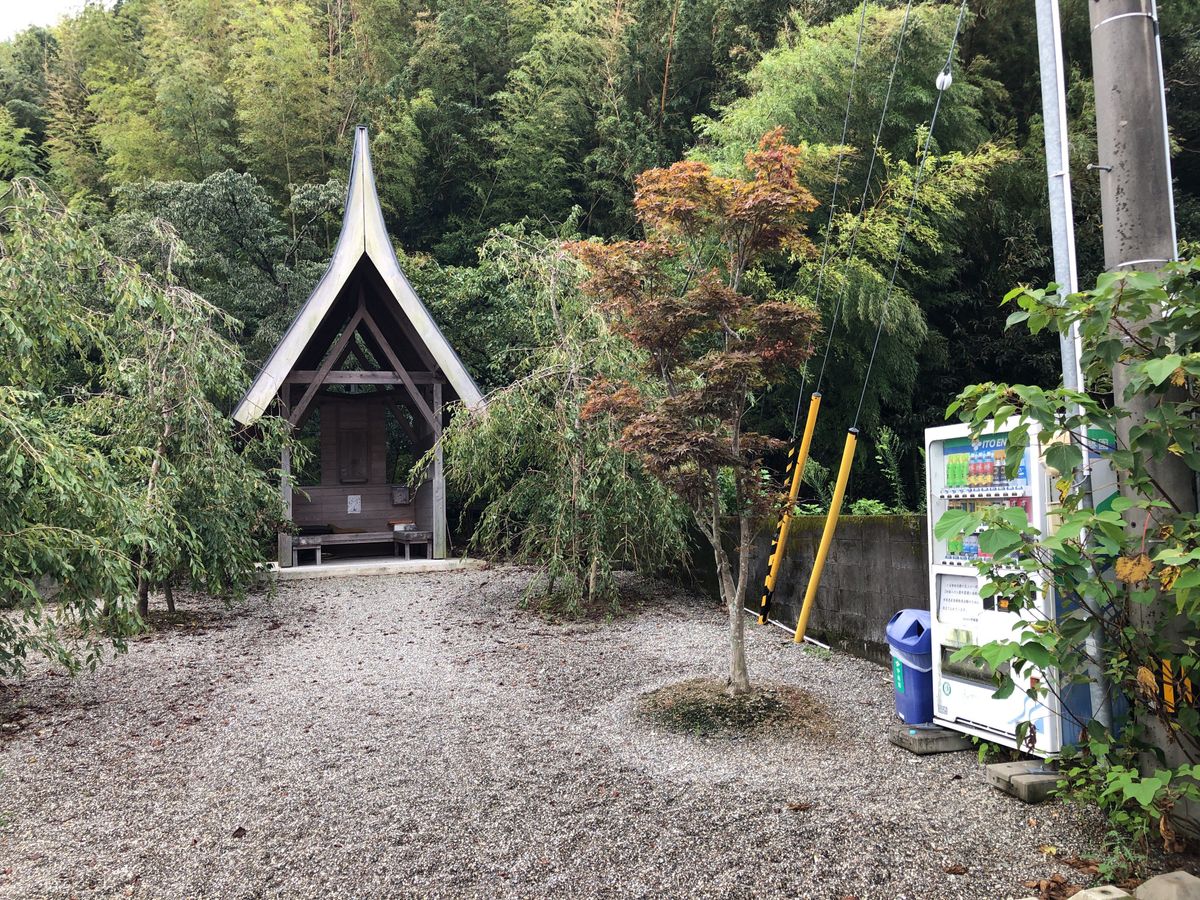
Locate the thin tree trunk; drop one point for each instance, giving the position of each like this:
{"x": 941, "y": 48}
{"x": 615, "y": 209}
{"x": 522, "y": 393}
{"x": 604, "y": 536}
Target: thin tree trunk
{"x": 740, "y": 675}
{"x": 169, "y": 596}
{"x": 143, "y": 588}
{"x": 733, "y": 596}
{"x": 143, "y": 594}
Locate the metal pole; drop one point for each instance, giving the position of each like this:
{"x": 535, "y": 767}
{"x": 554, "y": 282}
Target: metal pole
{"x": 1058, "y": 173}
{"x": 1062, "y": 232}
{"x": 779, "y": 548}
{"x": 835, "y": 510}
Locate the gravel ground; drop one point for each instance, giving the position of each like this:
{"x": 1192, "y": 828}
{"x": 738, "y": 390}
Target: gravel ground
{"x": 423, "y": 735}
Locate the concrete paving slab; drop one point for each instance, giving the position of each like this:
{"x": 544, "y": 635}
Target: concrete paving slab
{"x": 925, "y": 739}
{"x": 356, "y": 567}
{"x": 1030, "y": 780}
{"x": 1171, "y": 886}
{"x": 1104, "y": 892}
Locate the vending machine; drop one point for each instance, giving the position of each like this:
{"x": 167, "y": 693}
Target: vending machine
{"x": 965, "y": 473}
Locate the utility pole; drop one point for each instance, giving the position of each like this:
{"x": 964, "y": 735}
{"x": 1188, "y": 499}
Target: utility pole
{"x": 1062, "y": 231}
{"x": 1136, "y": 201}
{"x": 1137, "y": 206}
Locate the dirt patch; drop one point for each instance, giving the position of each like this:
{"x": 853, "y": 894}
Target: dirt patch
{"x": 634, "y": 595}
{"x": 159, "y": 622}
{"x": 704, "y": 706}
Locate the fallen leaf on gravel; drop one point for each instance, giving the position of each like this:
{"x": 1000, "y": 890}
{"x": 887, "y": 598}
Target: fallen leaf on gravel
{"x": 1056, "y": 887}
{"x": 956, "y": 869}
{"x": 1032, "y": 823}
{"x": 239, "y": 832}
{"x": 1084, "y": 864}
{"x": 1049, "y": 849}
{"x": 799, "y": 806}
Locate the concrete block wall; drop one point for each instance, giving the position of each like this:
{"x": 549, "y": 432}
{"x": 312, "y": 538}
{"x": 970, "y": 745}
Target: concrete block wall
{"x": 876, "y": 566}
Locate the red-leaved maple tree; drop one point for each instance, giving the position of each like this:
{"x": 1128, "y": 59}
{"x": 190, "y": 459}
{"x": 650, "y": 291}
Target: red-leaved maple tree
{"x": 714, "y": 332}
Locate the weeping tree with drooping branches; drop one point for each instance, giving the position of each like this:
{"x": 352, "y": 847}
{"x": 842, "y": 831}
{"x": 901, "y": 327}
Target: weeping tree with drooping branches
{"x": 119, "y": 469}
{"x": 553, "y": 489}
{"x": 696, "y": 299}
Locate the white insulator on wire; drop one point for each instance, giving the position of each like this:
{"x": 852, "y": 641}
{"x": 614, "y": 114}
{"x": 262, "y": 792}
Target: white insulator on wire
{"x": 944, "y": 79}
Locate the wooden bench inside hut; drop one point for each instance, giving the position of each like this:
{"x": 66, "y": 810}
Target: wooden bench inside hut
{"x": 364, "y": 375}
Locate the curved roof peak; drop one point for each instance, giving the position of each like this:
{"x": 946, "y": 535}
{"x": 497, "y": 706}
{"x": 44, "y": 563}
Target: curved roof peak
{"x": 363, "y": 234}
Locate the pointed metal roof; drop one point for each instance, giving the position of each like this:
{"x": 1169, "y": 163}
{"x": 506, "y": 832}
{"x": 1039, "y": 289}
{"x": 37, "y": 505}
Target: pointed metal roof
{"x": 363, "y": 234}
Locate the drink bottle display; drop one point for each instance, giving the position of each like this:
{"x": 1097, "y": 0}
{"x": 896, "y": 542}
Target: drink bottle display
{"x": 975, "y": 476}
{"x": 969, "y": 472}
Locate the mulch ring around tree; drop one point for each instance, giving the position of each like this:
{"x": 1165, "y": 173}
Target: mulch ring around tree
{"x": 704, "y": 706}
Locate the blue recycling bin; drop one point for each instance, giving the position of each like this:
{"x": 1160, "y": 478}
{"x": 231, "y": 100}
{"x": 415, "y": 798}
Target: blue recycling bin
{"x": 912, "y": 665}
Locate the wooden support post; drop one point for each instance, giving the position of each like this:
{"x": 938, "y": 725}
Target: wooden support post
{"x": 285, "y": 491}
{"x": 439, "y": 479}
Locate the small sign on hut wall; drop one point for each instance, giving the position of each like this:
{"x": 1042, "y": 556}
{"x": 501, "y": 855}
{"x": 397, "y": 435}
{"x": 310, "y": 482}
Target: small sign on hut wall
{"x": 353, "y": 504}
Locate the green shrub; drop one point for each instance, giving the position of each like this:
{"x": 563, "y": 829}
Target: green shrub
{"x": 1128, "y": 571}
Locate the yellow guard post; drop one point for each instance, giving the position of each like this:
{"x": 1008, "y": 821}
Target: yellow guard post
{"x": 779, "y": 547}
{"x": 835, "y": 510}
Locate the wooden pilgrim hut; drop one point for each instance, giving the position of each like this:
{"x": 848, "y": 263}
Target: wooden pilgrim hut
{"x": 363, "y": 348}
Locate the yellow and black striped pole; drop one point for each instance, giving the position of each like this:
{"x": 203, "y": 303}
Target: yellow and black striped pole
{"x": 1176, "y": 690}
{"x": 835, "y": 510}
{"x": 797, "y": 458}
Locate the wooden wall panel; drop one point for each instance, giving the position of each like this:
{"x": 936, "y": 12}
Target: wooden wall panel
{"x": 343, "y": 415}
{"x": 326, "y": 505}
{"x": 328, "y": 441}
{"x": 376, "y": 412}
{"x": 423, "y": 503}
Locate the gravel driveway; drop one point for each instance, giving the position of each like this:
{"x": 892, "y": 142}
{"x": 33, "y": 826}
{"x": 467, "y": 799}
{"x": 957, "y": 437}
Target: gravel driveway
{"x": 424, "y": 736}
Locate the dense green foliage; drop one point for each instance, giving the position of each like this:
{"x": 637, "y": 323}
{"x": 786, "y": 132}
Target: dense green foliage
{"x": 206, "y": 142}
{"x": 556, "y": 490}
{"x": 119, "y": 467}
{"x": 230, "y": 120}
{"x": 1129, "y": 570}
